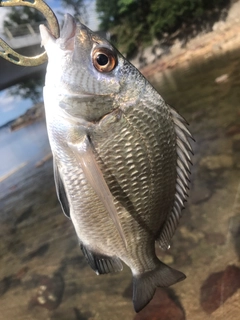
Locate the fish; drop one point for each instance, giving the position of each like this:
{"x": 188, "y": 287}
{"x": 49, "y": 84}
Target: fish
{"x": 121, "y": 157}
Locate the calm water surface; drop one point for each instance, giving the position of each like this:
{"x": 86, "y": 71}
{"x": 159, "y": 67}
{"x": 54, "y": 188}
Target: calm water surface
{"x": 43, "y": 274}
{"x": 26, "y": 145}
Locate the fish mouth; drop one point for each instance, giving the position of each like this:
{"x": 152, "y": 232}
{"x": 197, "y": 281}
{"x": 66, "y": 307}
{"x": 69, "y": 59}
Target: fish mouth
{"x": 68, "y": 32}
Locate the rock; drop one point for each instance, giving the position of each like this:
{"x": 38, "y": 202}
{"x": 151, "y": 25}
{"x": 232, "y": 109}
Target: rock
{"x": 234, "y": 227}
{"x": 236, "y": 150}
{"x": 164, "y": 306}
{"x": 192, "y": 235}
{"x": 49, "y": 292}
{"x": 4, "y": 285}
{"x": 222, "y": 79}
{"x": 31, "y": 115}
{"x": 25, "y": 215}
{"x": 70, "y": 314}
{"x": 233, "y": 130}
{"x": 128, "y": 292}
{"x": 39, "y": 252}
{"x": 218, "y": 287}
{"x": 230, "y": 310}
{"x": 221, "y": 161}
{"x": 200, "y": 192}
{"x": 216, "y": 238}
{"x": 219, "y": 26}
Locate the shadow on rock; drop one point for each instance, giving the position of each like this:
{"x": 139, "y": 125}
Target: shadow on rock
{"x": 234, "y": 227}
{"x": 218, "y": 287}
{"x": 165, "y": 305}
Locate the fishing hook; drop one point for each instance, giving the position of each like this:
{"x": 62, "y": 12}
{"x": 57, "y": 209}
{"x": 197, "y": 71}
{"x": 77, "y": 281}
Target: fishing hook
{"x": 14, "y": 57}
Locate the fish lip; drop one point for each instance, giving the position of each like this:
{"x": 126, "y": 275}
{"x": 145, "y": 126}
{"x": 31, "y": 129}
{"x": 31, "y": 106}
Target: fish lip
{"x": 69, "y": 27}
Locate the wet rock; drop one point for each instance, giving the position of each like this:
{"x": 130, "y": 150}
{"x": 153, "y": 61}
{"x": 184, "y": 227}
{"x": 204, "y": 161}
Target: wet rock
{"x": 230, "y": 310}
{"x": 49, "y": 292}
{"x": 193, "y": 235}
{"x": 31, "y": 115}
{"x": 81, "y": 316}
{"x": 236, "y": 150}
{"x": 21, "y": 273}
{"x": 234, "y": 227}
{"x": 31, "y": 281}
{"x": 221, "y": 161}
{"x": 164, "y": 306}
{"x": 128, "y": 292}
{"x": 218, "y": 287}
{"x": 70, "y": 314}
{"x": 200, "y": 192}
{"x": 39, "y": 252}
{"x": 216, "y": 238}
{"x": 77, "y": 261}
{"x": 25, "y": 215}
{"x": 233, "y": 130}
{"x": 4, "y": 285}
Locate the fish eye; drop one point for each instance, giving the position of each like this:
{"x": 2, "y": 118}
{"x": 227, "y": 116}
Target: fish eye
{"x": 104, "y": 59}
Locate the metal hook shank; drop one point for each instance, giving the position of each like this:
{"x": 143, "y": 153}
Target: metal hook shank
{"x": 14, "y": 57}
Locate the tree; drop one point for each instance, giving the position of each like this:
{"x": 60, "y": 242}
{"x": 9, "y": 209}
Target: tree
{"x": 22, "y": 15}
{"x": 78, "y": 7}
{"x": 135, "y": 23}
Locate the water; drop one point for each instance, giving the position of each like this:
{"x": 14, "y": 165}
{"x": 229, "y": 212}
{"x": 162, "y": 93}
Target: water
{"x": 39, "y": 250}
{"x": 26, "y": 145}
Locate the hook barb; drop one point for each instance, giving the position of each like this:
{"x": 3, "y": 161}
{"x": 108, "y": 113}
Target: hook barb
{"x": 16, "y": 58}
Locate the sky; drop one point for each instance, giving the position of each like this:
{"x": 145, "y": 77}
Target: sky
{"x": 12, "y": 107}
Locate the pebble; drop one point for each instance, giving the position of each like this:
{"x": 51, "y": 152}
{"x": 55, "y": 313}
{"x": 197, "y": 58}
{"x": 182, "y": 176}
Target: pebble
{"x": 49, "y": 292}
{"x": 218, "y": 287}
{"x": 222, "y": 79}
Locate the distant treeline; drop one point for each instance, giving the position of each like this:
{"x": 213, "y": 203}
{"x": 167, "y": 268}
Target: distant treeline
{"x": 135, "y": 23}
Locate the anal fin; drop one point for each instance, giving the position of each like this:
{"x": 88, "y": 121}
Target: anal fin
{"x": 101, "y": 264}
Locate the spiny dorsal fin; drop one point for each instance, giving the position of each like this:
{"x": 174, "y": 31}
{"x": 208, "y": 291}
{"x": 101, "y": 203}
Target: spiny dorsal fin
{"x": 183, "y": 149}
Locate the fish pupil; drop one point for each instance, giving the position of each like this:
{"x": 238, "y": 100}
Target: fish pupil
{"x": 102, "y": 59}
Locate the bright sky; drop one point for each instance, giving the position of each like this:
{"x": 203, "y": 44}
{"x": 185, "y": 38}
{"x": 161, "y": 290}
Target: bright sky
{"x": 12, "y": 107}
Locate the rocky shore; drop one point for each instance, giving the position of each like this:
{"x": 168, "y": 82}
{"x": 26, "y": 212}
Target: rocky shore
{"x": 224, "y": 37}
{"x": 33, "y": 114}
{"x": 43, "y": 274}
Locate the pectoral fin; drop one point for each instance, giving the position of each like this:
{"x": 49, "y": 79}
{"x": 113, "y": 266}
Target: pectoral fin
{"x": 83, "y": 152}
{"x": 60, "y": 189}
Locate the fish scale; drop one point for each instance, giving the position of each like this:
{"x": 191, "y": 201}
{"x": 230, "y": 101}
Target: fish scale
{"x": 121, "y": 157}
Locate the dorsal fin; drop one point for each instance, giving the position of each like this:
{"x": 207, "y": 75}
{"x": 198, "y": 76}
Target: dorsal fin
{"x": 183, "y": 149}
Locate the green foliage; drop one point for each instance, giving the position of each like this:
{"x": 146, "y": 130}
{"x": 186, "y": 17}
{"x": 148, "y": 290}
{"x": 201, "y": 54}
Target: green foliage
{"x": 22, "y": 15}
{"x": 77, "y": 6}
{"x": 134, "y": 23}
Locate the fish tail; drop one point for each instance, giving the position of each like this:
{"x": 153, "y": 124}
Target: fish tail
{"x": 145, "y": 284}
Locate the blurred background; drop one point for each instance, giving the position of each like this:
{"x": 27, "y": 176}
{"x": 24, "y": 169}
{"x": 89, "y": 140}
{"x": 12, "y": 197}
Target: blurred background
{"x": 190, "y": 52}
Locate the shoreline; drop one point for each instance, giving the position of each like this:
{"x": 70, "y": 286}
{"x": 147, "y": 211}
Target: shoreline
{"x": 224, "y": 37}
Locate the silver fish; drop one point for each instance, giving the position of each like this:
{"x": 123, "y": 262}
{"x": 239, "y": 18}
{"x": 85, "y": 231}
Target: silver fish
{"x": 121, "y": 157}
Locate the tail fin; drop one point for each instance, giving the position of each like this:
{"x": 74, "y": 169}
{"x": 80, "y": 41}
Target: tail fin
{"x": 144, "y": 285}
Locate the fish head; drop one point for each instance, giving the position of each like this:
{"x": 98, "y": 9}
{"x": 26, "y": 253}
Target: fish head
{"x": 85, "y": 67}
